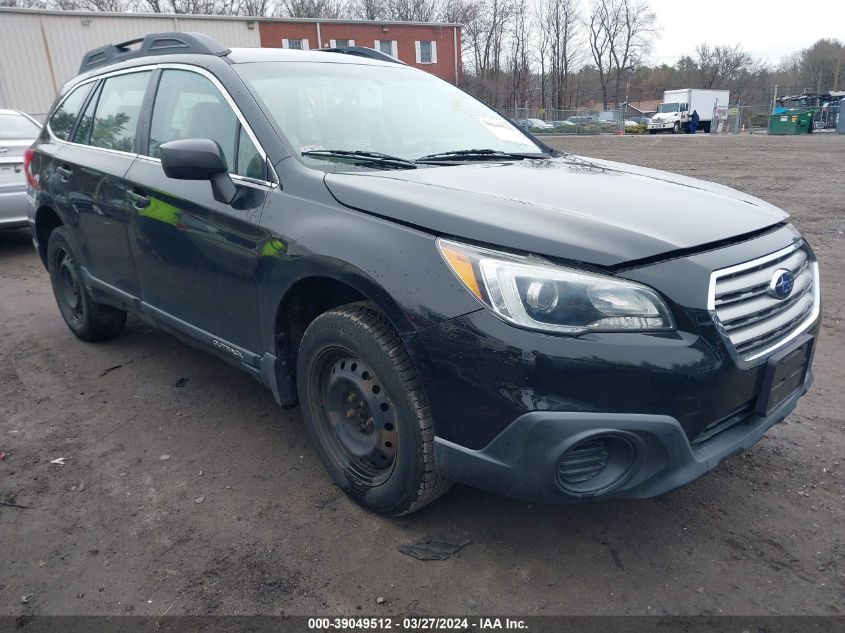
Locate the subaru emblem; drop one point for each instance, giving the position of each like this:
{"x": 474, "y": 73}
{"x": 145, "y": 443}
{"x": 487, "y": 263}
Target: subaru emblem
{"x": 781, "y": 284}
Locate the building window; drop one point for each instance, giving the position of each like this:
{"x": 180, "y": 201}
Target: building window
{"x": 300, "y": 45}
{"x": 426, "y": 52}
{"x": 341, "y": 43}
{"x": 388, "y": 47}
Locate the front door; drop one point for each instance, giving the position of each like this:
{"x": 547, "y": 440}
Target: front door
{"x": 197, "y": 258}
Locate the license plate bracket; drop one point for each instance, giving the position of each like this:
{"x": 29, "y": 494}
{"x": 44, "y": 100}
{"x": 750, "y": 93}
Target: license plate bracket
{"x": 785, "y": 374}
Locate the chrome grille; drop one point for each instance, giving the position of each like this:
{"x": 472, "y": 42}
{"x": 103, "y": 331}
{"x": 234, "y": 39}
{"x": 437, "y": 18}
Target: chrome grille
{"x": 755, "y": 321}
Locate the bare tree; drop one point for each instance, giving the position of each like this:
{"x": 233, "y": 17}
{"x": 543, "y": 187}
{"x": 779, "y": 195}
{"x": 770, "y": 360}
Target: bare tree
{"x": 822, "y": 66}
{"x": 367, "y": 9}
{"x": 459, "y": 11}
{"x": 722, "y": 67}
{"x": 600, "y": 40}
{"x": 114, "y": 6}
{"x": 24, "y": 4}
{"x": 620, "y": 34}
{"x": 542, "y": 53}
{"x": 559, "y": 25}
{"x": 633, "y": 38}
{"x": 325, "y": 9}
{"x": 519, "y": 61}
{"x": 255, "y": 7}
{"x": 412, "y": 10}
{"x": 485, "y": 42}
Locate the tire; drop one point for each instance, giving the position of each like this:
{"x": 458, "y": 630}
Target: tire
{"x": 676, "y": 129}
{"x": 364, "y": 410}
{"x": 87, "y": 319}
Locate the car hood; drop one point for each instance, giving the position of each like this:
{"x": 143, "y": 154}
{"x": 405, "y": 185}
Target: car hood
{"x": 574, "y": 208}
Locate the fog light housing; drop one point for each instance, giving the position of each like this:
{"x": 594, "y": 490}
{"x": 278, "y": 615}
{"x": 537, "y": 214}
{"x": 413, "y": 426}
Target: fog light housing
{"x": 596, "y": 464}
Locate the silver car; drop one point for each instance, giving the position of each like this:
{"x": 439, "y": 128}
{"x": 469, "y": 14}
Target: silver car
{"x": 17, "y": 133}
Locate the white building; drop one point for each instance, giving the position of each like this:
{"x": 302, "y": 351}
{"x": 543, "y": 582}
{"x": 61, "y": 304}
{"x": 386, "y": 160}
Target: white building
{"x": 41, "y": 50}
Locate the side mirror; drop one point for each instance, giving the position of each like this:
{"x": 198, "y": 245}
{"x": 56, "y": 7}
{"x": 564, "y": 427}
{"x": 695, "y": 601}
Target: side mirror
{"x": 199, "y": 159}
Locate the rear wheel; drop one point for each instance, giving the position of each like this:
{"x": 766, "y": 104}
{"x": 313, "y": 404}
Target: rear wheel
{"x": 87, "y": 319}
{"x": 365, "y": 412}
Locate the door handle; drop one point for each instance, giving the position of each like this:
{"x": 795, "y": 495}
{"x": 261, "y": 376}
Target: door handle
{"x": 139, "y": 200}
{"x": 65, "y": 172}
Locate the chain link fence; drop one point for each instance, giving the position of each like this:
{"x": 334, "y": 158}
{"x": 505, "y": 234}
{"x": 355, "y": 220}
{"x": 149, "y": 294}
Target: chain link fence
{"x": 578, "y": 121}
{"x": 735, "y": 119}
{"x": 754, "y": 119}
{"x": 741, "y": 119}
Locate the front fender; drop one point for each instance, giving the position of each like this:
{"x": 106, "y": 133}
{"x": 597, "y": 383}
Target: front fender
{"x": 397, "y": 267}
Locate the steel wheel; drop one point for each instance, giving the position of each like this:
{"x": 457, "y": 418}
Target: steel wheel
{"x": 356, "y": 417}
{"x": 69, "y": 290}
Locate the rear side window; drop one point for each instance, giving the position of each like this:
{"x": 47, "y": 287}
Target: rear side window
{"x": 61, "y": 123}
{"x": 118, "y": 111}
{"x": 188, "y": 105}
{"x": 82, "y": 134}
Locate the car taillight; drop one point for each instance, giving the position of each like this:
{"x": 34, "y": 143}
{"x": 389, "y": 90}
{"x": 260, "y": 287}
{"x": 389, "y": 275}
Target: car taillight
{"x": 28, "y": 154}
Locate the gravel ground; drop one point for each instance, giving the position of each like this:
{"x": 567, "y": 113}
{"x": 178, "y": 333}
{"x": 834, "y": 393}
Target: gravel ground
{"x": 187, "y": 491}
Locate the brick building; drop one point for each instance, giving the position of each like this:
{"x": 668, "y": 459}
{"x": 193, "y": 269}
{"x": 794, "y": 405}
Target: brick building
{"x": 433, "y": 47}
{"x": 41, "y": 49}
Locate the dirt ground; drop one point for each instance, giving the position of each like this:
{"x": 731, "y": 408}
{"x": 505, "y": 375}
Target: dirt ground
{"x": 187, "y": 491}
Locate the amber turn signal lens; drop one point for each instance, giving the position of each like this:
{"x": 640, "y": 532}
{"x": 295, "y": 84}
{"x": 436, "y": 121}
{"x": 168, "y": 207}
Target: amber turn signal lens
{"x": 462, "y": 267}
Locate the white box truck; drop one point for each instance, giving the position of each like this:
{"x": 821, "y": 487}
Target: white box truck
{"x": 673, "y": 115}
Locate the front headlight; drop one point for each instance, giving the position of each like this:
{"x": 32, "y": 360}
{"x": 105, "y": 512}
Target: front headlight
{"x": 534, "y": 294}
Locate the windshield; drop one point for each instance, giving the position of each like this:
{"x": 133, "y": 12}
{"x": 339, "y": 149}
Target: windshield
{"x": 392, "y": 110}
{"x": 669, "y": 107}
{"x": 16, "y": 127}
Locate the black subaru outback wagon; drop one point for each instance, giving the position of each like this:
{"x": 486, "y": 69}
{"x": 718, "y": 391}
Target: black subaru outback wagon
{"x": 447, "y": 298}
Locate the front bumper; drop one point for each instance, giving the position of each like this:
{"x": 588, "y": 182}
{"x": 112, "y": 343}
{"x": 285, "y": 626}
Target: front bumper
{"x": 668, "y": 125}
{"x": 523, "y": 461}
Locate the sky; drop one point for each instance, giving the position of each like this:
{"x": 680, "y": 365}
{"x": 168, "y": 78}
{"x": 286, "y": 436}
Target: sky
{"x": 767, "y": 29}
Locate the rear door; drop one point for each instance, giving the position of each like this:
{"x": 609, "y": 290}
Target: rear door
{"x": 198, "y": 258}
{"x": 91, "y": 170}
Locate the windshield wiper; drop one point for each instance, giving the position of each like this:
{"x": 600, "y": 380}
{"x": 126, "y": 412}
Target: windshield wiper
{"x": 476, "y": 154}
{"x": 362, "y": 157}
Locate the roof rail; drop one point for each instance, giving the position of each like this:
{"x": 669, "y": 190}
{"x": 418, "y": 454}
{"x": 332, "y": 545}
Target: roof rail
{"x": 363, "y": 51}
{"x": 152, "y": 44}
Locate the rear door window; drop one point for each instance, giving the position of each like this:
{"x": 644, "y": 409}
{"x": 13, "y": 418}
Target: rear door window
{"x": 61, "y": 123}
{"x": 118, "y": 110}
{"x": 82, "y": 135}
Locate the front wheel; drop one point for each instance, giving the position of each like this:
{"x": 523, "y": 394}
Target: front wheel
{"x": 365, "y": 411}
{"x": 676, "y": 129}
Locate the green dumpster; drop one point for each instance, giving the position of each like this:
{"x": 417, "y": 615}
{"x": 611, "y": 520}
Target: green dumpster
{"x": 791, "y": 122}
